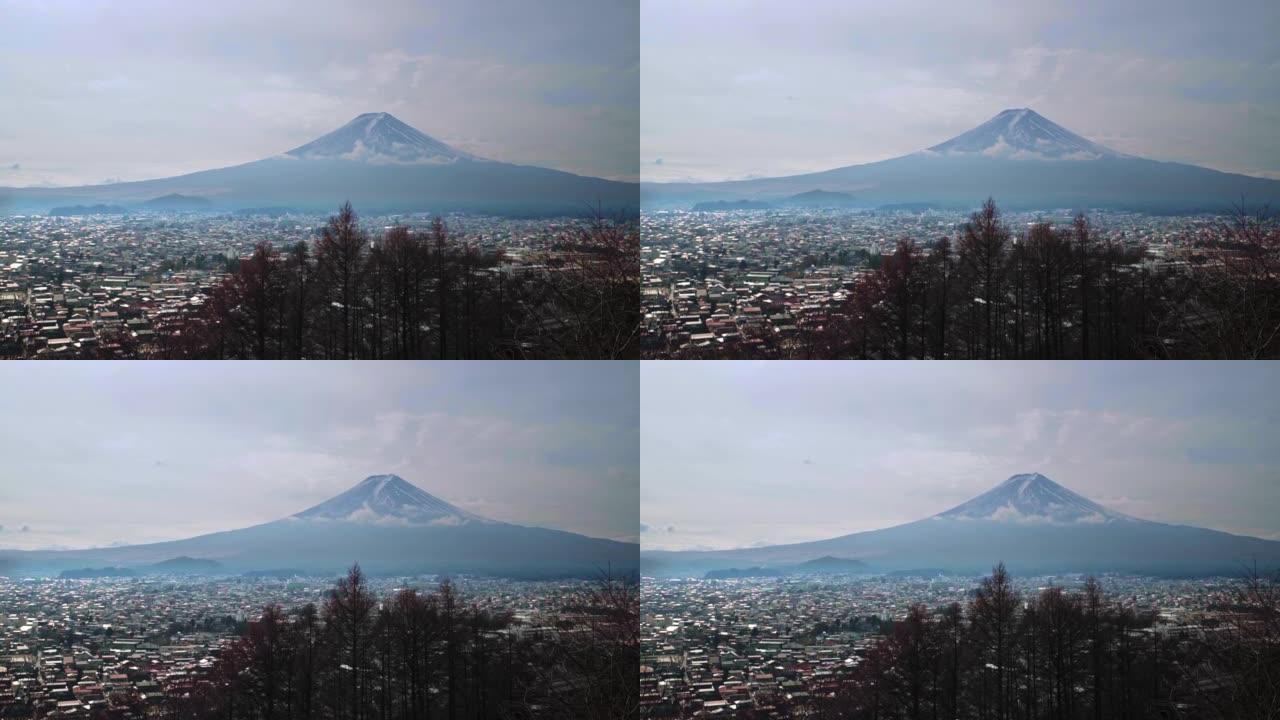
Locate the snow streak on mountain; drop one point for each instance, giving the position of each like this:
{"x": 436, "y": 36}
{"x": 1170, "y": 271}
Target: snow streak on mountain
{"x": 389, "y": 499}
{"x": 1023, "y": 133}
{"x": 380, "y": 138}
{"x": 1032, "y": 498}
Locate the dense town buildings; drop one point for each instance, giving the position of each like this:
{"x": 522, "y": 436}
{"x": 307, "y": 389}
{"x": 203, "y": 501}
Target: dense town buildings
{"x": 775, "y": 646}
{"x": 125, "y": 647}
{"x": 109, "y": 286}
{"x": 719, "y": 279}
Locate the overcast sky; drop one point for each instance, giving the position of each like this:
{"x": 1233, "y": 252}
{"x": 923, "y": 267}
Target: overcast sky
{"x": 740, "y": 88}
{"x": 100, "y": 453}
{"x": 736, "y": 454}
{"x": 100, "y": 89}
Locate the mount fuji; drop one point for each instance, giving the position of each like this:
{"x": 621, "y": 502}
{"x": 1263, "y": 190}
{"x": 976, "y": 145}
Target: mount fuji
{"x": 1029, "y": 522}
{"x": 1033, "y": 498}
{"x": 1024, "y": 133}
{"x": 376, "y": 161}
{"x": 1021, "y": 158}
{"x": 380, "y": 137}
{"x": 385, "y": 523}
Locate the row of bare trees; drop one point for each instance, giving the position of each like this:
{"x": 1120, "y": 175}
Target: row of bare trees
{"x": 1055, "y": 293}
{"x": 410, "y": 295}
{"x": 416, "y": 655}
{"x": 1061, "y": 655}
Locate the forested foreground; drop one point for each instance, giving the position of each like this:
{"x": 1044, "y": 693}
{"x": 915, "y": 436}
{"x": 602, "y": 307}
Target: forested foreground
{"x": 1050, "y": 292}
{"x": 413, "y": 655}
{"x": 413, "y": 295}
{"x": 1059, "y": 655}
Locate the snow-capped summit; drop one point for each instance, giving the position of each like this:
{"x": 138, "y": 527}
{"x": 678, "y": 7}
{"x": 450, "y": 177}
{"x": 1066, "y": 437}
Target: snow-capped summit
{"x": 1022, "y": 133}
{"x": 380, "y": 138}
{"x": 390, "y": 500}
{"x": 1032, "y": 497}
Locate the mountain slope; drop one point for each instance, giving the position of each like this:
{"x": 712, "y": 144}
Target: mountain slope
{"x": 385, "y": 523}
{"x": 1022, "y": 132}
{"x": 375, "y": 161}
{"x": 389, "y": 499}
{"x": 1029, "y": 522}
{"x": 379, "y": 137}
{"x": 1019, "y": 157}
{"x": 1032, "y": 498}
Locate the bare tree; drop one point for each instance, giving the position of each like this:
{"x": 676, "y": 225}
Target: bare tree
{"x": 340, "y": 265}
{"x": 348, "y": 612}
{"x": 1230, "y": 305}
{"x": 981, "y": 257}
{"x": 993, "y": 614}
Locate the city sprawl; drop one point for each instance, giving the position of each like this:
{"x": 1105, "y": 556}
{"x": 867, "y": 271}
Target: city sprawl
{"x": 780, "y": 648}
{"x": 112, "y": 286}
{"x": 134, "y": 647}
{"x": 748, "y": 282}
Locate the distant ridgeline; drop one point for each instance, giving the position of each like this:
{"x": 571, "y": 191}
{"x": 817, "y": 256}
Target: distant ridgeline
{"x": 815, "y": 199}
{"x": 106, "y": 572}
{"x": 174, "y": 566}
{"x": 174, "y": 201}
{"x": 719, "y": 205}
{"x": 168, "y": 203}
{"x": 908, "y": 207}
{"x": 72, "y": 210}
{"x": 826, "y": 565}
